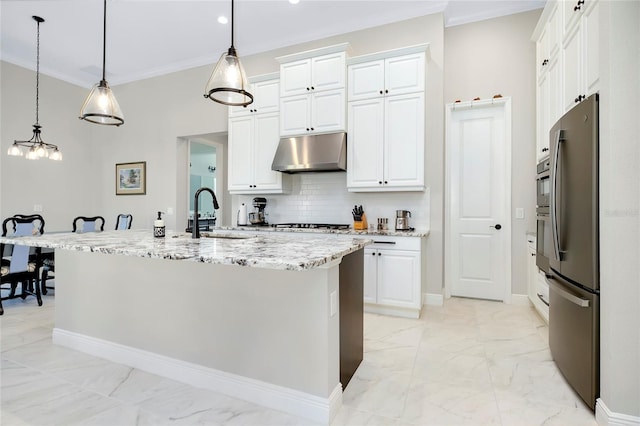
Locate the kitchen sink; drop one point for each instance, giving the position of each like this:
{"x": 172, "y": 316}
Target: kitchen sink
{"x": 216, "y": 235}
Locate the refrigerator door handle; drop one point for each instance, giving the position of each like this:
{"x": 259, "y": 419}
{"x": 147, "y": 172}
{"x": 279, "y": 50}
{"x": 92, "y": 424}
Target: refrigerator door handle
{"x": 554, "y": 198}
{"x": 583, "y": 303}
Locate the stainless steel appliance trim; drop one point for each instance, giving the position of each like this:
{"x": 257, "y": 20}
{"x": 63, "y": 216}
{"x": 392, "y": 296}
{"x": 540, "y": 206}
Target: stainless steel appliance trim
{"x": 554, "y": 201}
{"x": 583, "y": 303}
{"x": 311, "y": 153}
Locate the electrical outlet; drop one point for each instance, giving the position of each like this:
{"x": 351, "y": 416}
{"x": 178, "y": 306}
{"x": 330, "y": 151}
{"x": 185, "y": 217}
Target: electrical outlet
{"x": 37, "y": 207}
{"x": 519, "y": 213}
{"x": 333, "y": 302}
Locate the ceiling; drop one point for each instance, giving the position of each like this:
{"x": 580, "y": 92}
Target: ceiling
{"x": 146, "y": 38}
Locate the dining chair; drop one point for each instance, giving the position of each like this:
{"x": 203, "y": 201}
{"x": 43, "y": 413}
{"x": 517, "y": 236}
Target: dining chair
{"x": 89, "y": 224}
{"x": 18, "y": 266}
{"x": 123, "y": 221}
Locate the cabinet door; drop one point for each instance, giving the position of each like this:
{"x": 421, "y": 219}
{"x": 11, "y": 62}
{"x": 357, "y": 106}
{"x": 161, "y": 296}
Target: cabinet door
{"x": 295, "y": 112}
{"x": 328, "y": 72}
{"x": 266, "y": 96}
{"x": 404, "y": 141}
{"x": 366, "y": 80}
{"x": 532, "y": 270}
{"x": 266, "y": 138}
{"x": 572, "y": 69}
{"x": 543, "y": 117}
{"x": 404, "y": 74}
{"x": 295, "y": 77}
{"x": 370, "y": 275}
{"x": 365, "y": 136}
{"x": 240, "y": 153}
{"x": 399, "y": 278}
{"x": 327, "y": 111}
{"x": 591, "y": 51}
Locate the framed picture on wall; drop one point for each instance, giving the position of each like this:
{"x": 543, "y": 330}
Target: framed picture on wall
{"x": 131, "y": 178}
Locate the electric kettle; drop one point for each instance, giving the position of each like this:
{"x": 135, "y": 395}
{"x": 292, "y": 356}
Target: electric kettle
{"x": 402, "y": 220}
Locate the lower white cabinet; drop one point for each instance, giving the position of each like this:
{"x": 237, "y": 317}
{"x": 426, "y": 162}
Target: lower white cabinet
{"x": 392, "y": 276}
{"x": 537, "y": 287}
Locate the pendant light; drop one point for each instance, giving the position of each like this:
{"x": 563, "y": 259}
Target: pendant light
{"x": 36, "y": 147}
{"x": 101, "y": 106}
{"x": 228, "y": 83}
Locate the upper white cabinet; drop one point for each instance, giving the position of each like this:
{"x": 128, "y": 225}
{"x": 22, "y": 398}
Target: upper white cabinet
{"x": 266, "y": 97}
{"x": 253, "y": 138}
{"x": 312, "y": 91}
{"x": 580, "y": 51}
{"x": 567, "y": 61}
{"x": 386, "y": 121}
{"x": 386, "y": 77}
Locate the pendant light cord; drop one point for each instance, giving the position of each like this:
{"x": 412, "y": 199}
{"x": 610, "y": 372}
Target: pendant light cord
{"x": 38, "y": 74}
{"x": 104, "y": 41}
{"x": 232, "y": 25}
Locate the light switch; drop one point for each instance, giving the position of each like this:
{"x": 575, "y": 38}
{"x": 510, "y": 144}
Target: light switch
{"x": 169, "y": 210}
{"x": 519, "y": 213}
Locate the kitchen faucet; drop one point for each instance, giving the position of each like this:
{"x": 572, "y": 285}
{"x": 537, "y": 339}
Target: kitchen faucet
{"x": 195, "y": 231}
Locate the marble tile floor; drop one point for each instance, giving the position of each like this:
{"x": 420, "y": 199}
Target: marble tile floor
{"x": 469, "y": 362}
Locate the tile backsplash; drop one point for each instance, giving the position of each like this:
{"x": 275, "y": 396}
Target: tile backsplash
{"x": 323, "y": 198}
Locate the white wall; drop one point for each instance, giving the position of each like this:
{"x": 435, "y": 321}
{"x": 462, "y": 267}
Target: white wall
{"x": 620, "y": 207}
{"x": 65, "y": 189}
{"x": 496, "y": 56}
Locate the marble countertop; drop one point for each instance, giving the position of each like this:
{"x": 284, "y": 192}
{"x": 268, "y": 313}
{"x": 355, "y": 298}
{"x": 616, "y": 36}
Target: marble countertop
{"x": 272, "y": 251}
{"x": 350, "y": 231}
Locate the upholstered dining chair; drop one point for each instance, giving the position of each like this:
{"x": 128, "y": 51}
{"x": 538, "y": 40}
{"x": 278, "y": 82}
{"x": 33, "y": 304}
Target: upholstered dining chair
{"x": 88, "y": 224}
{"x": 123, "y": 221}
{"x": 18, "y": 266}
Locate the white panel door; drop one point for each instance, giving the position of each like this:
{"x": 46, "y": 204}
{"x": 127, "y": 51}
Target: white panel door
{"x": 572, "y": 84}
{"x": 365, "y": 139}
{"x": 370, "y": 277}
{"x": 404, "y": 74}
{"x": 327, "y": 111}
{"x": 240, "y": 153}
{"x": 366, "y": 80}
{"x": 328, "y": 72}
{"x": 295, "y": 78}
{"x": 404, "y": 140}
{"x": 266, "y": 138}
{"x": 295, "y": 112}
{"x": 477, "y": 248}
{"x": 398, "y": 282}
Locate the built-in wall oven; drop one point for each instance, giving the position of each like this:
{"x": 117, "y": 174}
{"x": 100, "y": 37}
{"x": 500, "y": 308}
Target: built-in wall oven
{"x": 543, "y": 229}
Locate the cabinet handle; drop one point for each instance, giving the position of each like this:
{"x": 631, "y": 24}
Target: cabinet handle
{"x": 580, "y": 98}
{"x": 373, "y": 254}
{"x": 307, "y": 129}
{"x": 545, "y": 149}
{"x": 383, "y": 242}
{"x": 541, "y": 297}
{"x": 533, "y": 254}
{"x": 381, "y": 92}
{"x": 313, "y": 88}
{"x": 312, "y": 129}
{"x": 386, "y": 91}
{"x": 578, "y": 6}
{"x": 385, "y": 182}
{"x": 497, "y": 226}
{"x": 380, "y": 182}
{"x": 379, "y": 254}
{"x": 308, "y": 89}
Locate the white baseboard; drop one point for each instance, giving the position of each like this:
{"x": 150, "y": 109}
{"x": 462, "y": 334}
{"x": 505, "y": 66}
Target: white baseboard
{"x": 520, "y": 300}
{"x": 312, "y": 407}
{"x": 392, "y": 310}
{"x": 606, "y": 417}
{"x": 432, "y": 299}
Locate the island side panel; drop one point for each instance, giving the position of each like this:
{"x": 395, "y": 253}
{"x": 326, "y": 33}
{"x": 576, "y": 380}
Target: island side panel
{"x": 351, "y": 315}
{"x": 270, "y": 325}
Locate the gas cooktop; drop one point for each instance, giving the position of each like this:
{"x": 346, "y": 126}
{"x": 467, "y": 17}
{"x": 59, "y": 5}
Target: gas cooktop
{"x": 311, "y": 225}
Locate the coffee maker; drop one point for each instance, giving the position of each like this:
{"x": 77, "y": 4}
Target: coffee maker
{"x": 257, "y": 218}
{"x": 402, "y": 220}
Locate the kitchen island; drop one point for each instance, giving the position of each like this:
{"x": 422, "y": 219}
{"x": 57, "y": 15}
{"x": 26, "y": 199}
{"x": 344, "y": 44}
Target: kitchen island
{"x": 271, "y": 319}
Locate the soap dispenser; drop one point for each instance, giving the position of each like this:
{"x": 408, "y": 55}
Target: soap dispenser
{"x": 158, "y": 226}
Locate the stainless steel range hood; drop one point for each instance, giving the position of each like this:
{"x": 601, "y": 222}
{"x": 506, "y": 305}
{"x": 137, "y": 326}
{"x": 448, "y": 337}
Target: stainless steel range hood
{"x": 311, "y": 153}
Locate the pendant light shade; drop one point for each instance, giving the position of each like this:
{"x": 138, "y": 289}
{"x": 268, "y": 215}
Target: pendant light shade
{"x": 36, "y": 148}
{"x": 101, "y": 106}
{"x": 228, "y": 82}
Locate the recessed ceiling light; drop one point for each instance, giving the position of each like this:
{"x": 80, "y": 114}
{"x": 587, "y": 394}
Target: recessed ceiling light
{"x": 223, "y": 19}
{"x": 294, "y": 1}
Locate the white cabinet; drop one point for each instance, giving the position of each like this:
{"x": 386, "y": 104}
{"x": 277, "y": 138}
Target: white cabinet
{"x": 266, "y": 97}
{"x": 253, "y": 140}
{"x": 314, "y": 74}
{"x": 580, "y": 50}
{"x": 537, "y": 287}
{"x": 386, "y": 121}
{"x": 392, "y": 276}
{"x": 386, "y": 144}
{"x": 386, "y": 77}
{"x": 312, "y": 91}
{"x": 320, "y": 112}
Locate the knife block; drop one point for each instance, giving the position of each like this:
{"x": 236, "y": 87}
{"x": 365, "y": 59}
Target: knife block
{"x": 361, "y": 225}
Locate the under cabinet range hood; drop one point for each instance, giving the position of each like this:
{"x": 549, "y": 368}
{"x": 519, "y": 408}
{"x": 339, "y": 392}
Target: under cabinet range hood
{"x": 311, "y": 153}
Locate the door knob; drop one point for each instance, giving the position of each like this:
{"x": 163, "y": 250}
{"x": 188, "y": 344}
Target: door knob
{"x": 497, "y": 226}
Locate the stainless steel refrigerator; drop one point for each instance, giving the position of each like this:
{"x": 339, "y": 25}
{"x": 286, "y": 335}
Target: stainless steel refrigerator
{"x": 574, "y": 274}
